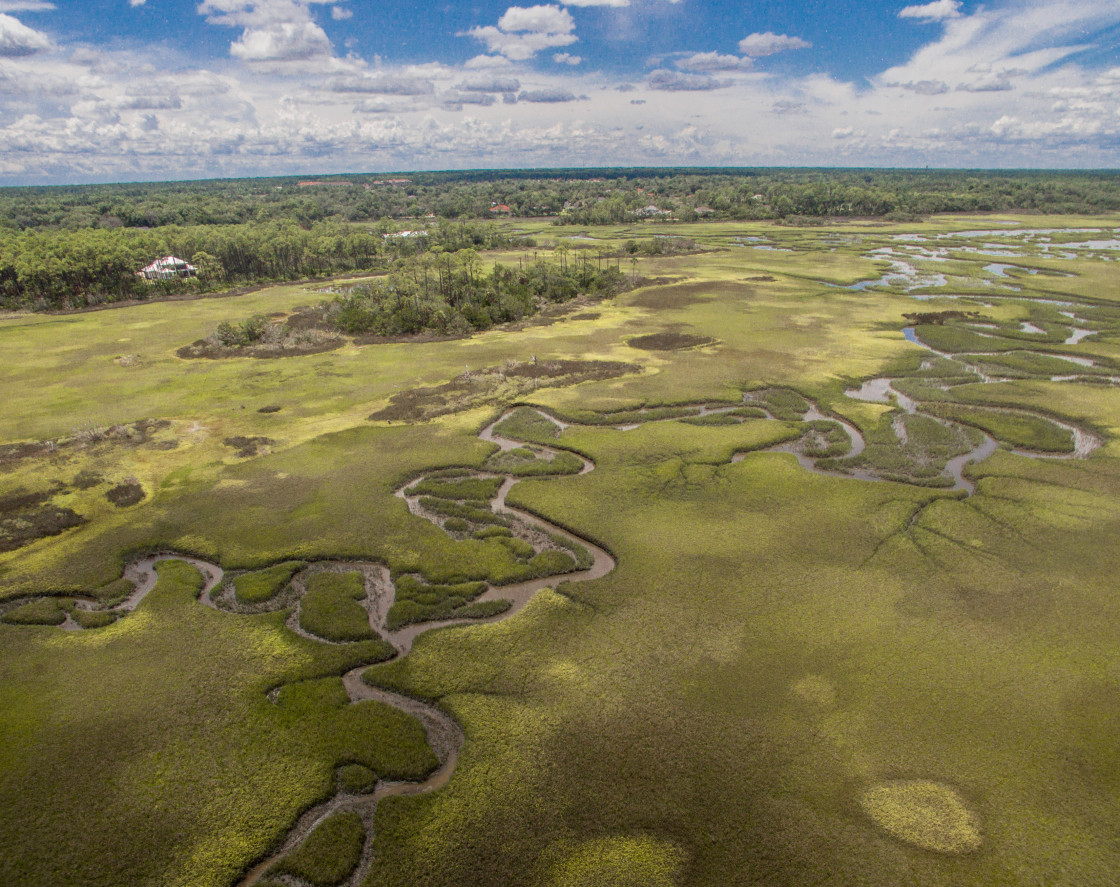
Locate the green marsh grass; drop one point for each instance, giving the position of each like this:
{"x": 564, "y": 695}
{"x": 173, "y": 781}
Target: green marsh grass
{"x": 664, "y": 704}
{"x": 261, "y": 586}
{"x": 330, "y": 610}
{"x": 329, "y": 854}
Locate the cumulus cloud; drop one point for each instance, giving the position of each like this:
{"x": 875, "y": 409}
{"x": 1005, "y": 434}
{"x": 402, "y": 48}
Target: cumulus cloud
{"x": 710, "y": 62}
{"x": 524, "y": 31}
{"x": 25, "y": 5}
{"x": 341, "y": 13}
{"x": 538, "y": 19}
{"x": 274, "y": 30}
{"x": 282, "y": 42}
{"x": 16, "y": 39}
{"x": 769, "y": 43}
{"x": 566, "y": 58}
{"x": 937, "y": 11}
{"x": 676, "y": 81}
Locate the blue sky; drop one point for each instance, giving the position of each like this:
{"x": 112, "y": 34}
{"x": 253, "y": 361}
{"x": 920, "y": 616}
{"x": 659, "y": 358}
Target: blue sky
{"x": 105, "y": 90}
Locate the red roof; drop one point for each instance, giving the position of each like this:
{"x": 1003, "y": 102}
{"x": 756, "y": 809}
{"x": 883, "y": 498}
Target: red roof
{"x": 500, "y": 208}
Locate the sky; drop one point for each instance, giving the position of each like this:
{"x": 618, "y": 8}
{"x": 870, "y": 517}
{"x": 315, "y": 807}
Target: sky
{"x": 141, "y": 90}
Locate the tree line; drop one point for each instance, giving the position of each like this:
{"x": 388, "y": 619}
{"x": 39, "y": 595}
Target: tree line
{"x": 605, "y": 196}
{"x": 59, "y": 268}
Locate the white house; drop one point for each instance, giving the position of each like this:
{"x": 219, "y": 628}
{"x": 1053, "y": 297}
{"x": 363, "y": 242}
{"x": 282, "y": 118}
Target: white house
{"x": 167, "y": 268}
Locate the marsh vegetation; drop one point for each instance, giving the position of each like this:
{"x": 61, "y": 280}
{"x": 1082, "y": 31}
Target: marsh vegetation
{"x": 830, "y": 598}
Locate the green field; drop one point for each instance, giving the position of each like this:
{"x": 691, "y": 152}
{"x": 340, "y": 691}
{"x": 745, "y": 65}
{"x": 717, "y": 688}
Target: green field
{"x": 868, "y": 673}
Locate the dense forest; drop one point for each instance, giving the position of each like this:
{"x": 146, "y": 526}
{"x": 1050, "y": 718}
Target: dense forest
{"x": 445, "y": 294}
{"x": 71, "y": 247}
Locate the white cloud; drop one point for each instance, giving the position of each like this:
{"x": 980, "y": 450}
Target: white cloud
{"x": 937, "y": 11}
{"x": 522, "y": 31}
{"x": 137, "y": 2}
{"x": 537, "y": 19}
{"x": 275, "y": 30}
{"x": 769, "y": 43}
{"x": 282, "y": 42}
{"x": 341, "y": 13}
{"x": 708, "y": 62}
{"x": 25, "y": 5}
{"x": 566, "y": 58}
{"x": 16, "y": 39}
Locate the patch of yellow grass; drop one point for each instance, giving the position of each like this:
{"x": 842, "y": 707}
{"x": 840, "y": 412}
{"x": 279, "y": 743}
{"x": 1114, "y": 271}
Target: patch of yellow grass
{"x": 621, "y": 861}
{"x": 924, "y": 813}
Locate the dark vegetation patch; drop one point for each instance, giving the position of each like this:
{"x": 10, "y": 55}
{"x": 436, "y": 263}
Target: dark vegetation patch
{"x": 329, "y": 854}
{"x": 249, "y": 446}
{"x": 494, "y": 384}
{"x": 126, "y": 494}
{"x": 93, "y": 439}
{"x": 669, "y": 341}
{"x": 760, "y": 278}
{"x": 679, "y": 296}
{"x": 86, "y": 480}
{"x": 586, "y": 315}
{"x": 270, "y": 409}
{"x": 26, "y": 516}
{"x": 331, "y": 610}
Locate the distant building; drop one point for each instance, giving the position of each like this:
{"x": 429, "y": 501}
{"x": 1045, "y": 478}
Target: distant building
{"x": 652, "y": 210}
{"x": 167, "y": 268}
{"x": 500, "y": 208}
{"x": 704, "y": 210}
{"x": 314, "y": 184}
